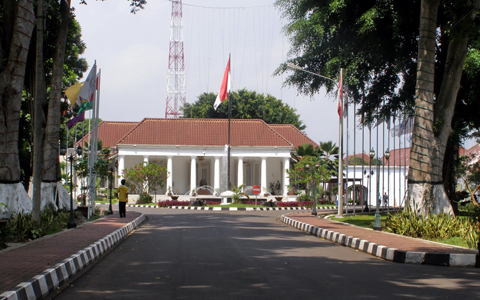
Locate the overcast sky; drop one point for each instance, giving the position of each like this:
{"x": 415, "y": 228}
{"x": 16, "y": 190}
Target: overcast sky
{"x": 132, "y": 53}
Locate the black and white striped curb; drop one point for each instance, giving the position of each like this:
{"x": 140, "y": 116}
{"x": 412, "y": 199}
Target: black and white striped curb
{"x": 232, "y": 208}
{"x": 41, "y": 285}
{"x": 391, "y": 254}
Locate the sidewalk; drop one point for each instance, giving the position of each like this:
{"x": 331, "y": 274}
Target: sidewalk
{"x": 36, "y": 268}
{"x": 385, "y": 245}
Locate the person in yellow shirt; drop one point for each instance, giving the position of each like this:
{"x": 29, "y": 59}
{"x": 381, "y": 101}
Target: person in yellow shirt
{"x": 122, "y": 198}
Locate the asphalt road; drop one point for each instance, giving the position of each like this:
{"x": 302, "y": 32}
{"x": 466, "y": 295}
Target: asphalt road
{"x": 180, "y": 254}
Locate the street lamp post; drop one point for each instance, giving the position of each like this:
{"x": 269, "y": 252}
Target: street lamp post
{"x": 294, "y": 67}
{"x": 376, "y": 225}
{"x": 110, "y": 179}
{"x": 72, "y": 223}
{"x": 387, "y": 156}
{"x": 312, "y": 168}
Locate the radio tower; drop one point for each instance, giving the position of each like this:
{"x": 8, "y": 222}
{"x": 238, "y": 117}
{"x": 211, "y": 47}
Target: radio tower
{"x": 176, "y": 89}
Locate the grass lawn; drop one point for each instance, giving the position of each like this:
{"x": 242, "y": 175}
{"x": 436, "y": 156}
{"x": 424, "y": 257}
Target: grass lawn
{"x": 362, "y": 220}
{"x": 369, "y": 220}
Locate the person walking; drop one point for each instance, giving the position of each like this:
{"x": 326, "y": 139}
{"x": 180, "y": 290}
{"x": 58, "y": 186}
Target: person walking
{"x": 385, "y": 199}
{"x": 122, "y": 198}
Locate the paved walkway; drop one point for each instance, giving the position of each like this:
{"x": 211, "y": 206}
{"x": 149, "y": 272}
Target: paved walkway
{"x": 39, "y": 267}
{"x": 21, "y": 264}
{"x": 382, "y": 244}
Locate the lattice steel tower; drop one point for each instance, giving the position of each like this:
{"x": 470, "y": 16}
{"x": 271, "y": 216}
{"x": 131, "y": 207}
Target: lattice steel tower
{"x": 176, "y": 89}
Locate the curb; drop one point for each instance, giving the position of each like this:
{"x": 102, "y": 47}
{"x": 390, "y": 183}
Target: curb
{"x": 231, "y": 208}
{"x": 41, "y": 285}
{"x": 391, "y": 254}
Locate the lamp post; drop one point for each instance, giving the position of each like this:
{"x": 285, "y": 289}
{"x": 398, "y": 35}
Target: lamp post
{"x": 294, "y": 67}
{"x": 376, "y": 225}
{"x": 387, "y": 156}
{"x": 72, "y": 223}
{"x": 110, "y": 179}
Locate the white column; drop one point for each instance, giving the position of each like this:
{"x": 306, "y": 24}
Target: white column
{"x": 286, "y": 179}
{"x": 240, "y": 172}
{"x": 145, "y": 159}
{"x": 170, "y": 173}
{"x": 263, "y": 173}
{"x": 121, "y": 166}
{"x": 216, "y": 174}
{"x": 193, "y": 173}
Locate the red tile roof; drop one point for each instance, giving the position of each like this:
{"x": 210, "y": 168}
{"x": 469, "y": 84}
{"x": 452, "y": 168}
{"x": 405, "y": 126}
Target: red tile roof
{"x": 293, "y": 134}
{"x": 111, "y": 132}
{"x": 208, "y": 132}
{"x": 398, "y": 157}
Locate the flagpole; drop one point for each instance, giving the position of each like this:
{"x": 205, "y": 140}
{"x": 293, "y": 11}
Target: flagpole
{"x": 228, "y": 144}
{"x": 340, "y": 158}
{"x": 95, "y": 137}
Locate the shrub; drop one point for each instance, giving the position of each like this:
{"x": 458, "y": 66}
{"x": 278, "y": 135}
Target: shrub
{"x": 144, "y": 198}
{"x": 169, "y": 203}
{"x": 433, "y": 227}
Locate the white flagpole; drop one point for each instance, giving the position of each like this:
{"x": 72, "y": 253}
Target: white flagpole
{"x": 95, "y": 131}
{"x": 91, "y": 183}
{"x": 340, "y": 158}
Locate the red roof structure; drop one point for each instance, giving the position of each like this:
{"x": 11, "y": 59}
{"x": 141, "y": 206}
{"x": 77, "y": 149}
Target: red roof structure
{"x": 110, "y": 132}
{"x": 293, "y": 134}
{"x": 208, "y": 132}
{"x": 398, "y": 157}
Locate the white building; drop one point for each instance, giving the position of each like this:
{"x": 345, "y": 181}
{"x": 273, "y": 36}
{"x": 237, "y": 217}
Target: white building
{"x": 194, "y": 150}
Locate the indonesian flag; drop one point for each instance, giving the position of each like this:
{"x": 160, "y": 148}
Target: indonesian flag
{"x": 225, "y": 88}
{"x": 340, "y": 94}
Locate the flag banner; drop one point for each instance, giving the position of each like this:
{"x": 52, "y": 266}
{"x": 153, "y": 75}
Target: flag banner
{"x": 72, "y": 92}
{"x": 79, "y": 118}
{"x": 225, "y": 88}
{"x": 340, "y": 95}
{"x": 404, "y": 127}
{"x": 87, "y": 92}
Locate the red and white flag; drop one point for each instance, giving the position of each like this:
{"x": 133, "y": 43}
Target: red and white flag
{"x": 225, "y": 88}
{"x": 340, "y": 94}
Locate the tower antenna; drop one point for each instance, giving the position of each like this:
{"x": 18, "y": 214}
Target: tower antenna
{"x": 176, "y": 89}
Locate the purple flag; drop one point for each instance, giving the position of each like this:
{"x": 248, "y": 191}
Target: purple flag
{"x": 73, "y": 121}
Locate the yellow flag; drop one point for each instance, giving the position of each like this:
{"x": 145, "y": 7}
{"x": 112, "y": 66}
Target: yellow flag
{"x": 73, "y": 91}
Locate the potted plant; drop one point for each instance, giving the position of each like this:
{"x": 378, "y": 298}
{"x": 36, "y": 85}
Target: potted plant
{"x": 169, "y": 191}
{"x": 265, "y": 191}
{"x": 194, "y": 193}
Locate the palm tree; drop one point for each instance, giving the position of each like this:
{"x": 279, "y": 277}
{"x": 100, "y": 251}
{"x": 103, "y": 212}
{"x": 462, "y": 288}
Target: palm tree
{"x": 329, "y": 154}
{"x": 306, "y": 150}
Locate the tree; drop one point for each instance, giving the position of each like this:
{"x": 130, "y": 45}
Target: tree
{"x": 305, "y": 150}
{"x": 309, "y": 171}
{"x": 245, "y": 105}
{"x": 17, "y": 26}
{"x": 377, "y": 43}
{"x": 146, "y": 176}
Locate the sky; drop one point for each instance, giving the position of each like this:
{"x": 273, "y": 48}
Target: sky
{"x": 132, "y": 52}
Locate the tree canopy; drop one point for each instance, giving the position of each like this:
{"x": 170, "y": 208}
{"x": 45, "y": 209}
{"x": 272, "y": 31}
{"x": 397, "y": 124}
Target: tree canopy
{"x": 377, "y": 44}
{"x": 245, "y": 105}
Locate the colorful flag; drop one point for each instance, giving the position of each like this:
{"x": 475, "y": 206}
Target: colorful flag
{"x": 73, "y": 91}
{"x": 340, "y": 95}
{"x": 225, "y": 88}
{"x": 87, "y": 92}
{"x": 79, "y": 118}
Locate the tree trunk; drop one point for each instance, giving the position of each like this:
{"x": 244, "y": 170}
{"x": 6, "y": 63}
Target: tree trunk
{"x": 51, "y": 164}
{"x": 38, "y": 115}
{"x": 426, "y": 192}
{"x": 12, "y": 79}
